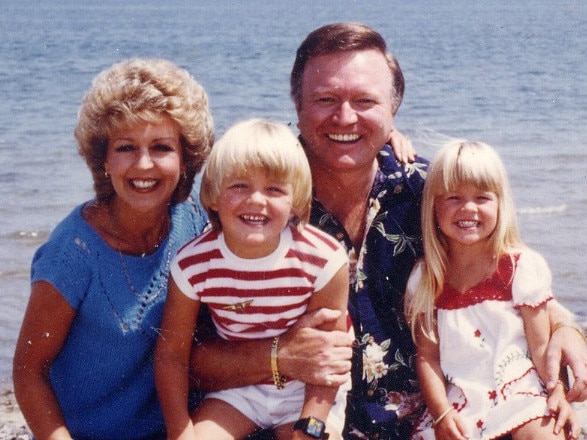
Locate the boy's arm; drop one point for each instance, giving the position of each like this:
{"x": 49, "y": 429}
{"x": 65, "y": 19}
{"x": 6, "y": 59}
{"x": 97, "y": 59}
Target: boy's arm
{"x": 334, "y": 295}
{"x": 172, "y": 361}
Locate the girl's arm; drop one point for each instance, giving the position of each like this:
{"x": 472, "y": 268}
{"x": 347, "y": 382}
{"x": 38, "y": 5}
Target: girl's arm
{"x": 432, "y": 383}
{"x": 334, "y": 295}
{"x": 172, "y": 361}
{"x": 45, "y": 327}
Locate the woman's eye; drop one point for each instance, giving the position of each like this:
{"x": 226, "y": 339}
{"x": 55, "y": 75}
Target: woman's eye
{"x": 124, "y": 147}
{"x": 163, "y": 147}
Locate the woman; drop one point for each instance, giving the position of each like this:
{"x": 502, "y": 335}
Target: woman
{"x": 83, "y": 366}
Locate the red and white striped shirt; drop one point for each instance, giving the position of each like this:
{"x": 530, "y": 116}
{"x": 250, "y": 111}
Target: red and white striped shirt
{"x": 257, "y": 298}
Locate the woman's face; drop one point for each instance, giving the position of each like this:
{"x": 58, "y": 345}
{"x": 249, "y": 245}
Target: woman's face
{"x": 145, "y": 164}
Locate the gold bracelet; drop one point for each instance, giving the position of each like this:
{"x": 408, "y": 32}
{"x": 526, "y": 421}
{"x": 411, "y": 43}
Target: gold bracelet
{"x": 278, "y": 379}
{"x": 560, "y": 324}
{"x": 442, "y": 416}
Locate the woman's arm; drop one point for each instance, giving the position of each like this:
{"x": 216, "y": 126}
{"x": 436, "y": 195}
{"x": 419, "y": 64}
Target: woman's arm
{"x": 172, "y": 361}
{"x": 45, "y": 327}
{"x": 431, "y": 378}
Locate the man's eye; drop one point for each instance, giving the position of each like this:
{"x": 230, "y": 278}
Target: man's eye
{"x": 325, "y": 99}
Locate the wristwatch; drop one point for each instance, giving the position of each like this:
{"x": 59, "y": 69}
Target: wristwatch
{"x": 312, "y": 427}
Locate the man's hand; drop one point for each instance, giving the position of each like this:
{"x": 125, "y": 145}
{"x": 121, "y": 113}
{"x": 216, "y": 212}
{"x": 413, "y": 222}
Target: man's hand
{"x": 315, "y": 356}
{"x": 402, "y": 147}
{"x": 568, "y": 348}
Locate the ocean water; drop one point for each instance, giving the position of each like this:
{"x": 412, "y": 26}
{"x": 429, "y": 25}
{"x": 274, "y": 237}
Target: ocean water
{"x": 512, "y": 74}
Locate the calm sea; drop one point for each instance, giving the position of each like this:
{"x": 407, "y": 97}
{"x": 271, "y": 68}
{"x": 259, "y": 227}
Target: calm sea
{"x": 512, "y": 74}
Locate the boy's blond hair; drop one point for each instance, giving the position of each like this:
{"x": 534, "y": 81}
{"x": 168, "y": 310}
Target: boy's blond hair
{"x": 258, "y": 145}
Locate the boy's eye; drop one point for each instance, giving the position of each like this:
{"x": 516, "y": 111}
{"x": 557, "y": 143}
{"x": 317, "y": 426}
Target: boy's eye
{"x": 237, "y": 185}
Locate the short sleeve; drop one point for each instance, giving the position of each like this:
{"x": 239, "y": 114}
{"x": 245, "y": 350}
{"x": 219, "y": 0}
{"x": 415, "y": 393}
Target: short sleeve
{"x": 532, "y": 284}
{"x": 65, "y": 260}
{"x": 180, "y": 279}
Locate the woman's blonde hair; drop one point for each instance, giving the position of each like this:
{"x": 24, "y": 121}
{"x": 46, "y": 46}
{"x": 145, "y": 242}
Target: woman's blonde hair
{"x": 457, "y": 163}
{"x": 137, "y": 91}
{"x": 258, "y": 145}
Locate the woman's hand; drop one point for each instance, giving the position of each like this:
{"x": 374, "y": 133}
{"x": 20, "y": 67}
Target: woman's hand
{"x": 314, "y": 356}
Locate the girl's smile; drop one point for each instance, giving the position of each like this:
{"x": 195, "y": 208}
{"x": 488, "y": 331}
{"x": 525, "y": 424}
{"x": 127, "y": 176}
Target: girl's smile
{"x": 467, "y": 215}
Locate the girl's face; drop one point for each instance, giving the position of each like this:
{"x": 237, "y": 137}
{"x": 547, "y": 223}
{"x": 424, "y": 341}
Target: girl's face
{"x": 144, "y": 163}
{"x": 253, "y": 210}
{"x": 466, "y": 216}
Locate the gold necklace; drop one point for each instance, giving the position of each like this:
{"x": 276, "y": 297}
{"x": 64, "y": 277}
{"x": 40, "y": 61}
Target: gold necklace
{"x": 118, "y": 231}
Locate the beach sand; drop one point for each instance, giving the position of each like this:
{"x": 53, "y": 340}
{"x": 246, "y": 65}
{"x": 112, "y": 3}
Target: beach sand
{"x": 13, "y": 425}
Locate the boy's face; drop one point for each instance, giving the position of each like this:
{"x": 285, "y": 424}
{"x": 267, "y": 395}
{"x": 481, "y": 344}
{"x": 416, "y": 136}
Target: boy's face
{"x": 253, "y": 210}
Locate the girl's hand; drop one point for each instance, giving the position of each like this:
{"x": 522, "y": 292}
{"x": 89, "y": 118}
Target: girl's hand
{"x": 451, "y": 427}
{"x": 559, "y": 407}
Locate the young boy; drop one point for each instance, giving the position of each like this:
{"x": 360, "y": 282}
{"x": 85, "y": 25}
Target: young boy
{"x": 259, "y": 269}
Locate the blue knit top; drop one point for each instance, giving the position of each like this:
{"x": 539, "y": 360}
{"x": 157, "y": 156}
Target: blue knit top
{"x": 104, "y": 377}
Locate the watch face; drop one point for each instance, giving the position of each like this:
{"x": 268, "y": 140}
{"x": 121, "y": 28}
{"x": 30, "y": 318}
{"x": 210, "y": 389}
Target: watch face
{"x": 315, "y": 427}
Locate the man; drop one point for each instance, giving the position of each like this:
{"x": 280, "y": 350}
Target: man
{"x": 347, "y": 89}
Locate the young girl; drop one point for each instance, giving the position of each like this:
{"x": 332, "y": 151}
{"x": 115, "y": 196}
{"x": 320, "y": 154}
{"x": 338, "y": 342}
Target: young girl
{"x": 259, "y": 269}
{"x": 477, "y": 307}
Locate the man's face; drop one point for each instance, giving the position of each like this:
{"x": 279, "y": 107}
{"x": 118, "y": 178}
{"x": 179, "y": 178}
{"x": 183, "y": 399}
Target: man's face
{"x": 345, "y": 115}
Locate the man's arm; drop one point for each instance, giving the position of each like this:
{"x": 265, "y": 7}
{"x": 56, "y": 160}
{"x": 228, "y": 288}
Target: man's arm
{"x": 304, "y": 353}
{"x": 567, "y": 347}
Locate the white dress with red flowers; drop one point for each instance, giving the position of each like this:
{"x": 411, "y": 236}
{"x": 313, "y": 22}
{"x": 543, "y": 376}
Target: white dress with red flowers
{"x": 484, "y": 354}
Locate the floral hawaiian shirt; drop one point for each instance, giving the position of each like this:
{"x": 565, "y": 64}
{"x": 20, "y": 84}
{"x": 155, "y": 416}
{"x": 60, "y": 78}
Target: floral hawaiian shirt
{"x": 385, "y": 399}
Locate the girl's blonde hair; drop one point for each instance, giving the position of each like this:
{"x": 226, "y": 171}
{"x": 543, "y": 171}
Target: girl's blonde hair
{"x": 457, "y": 163}
{"x": 258, "y": 145}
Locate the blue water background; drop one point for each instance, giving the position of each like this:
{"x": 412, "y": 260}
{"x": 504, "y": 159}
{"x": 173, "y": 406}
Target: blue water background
{"x": 512, "y": 74}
